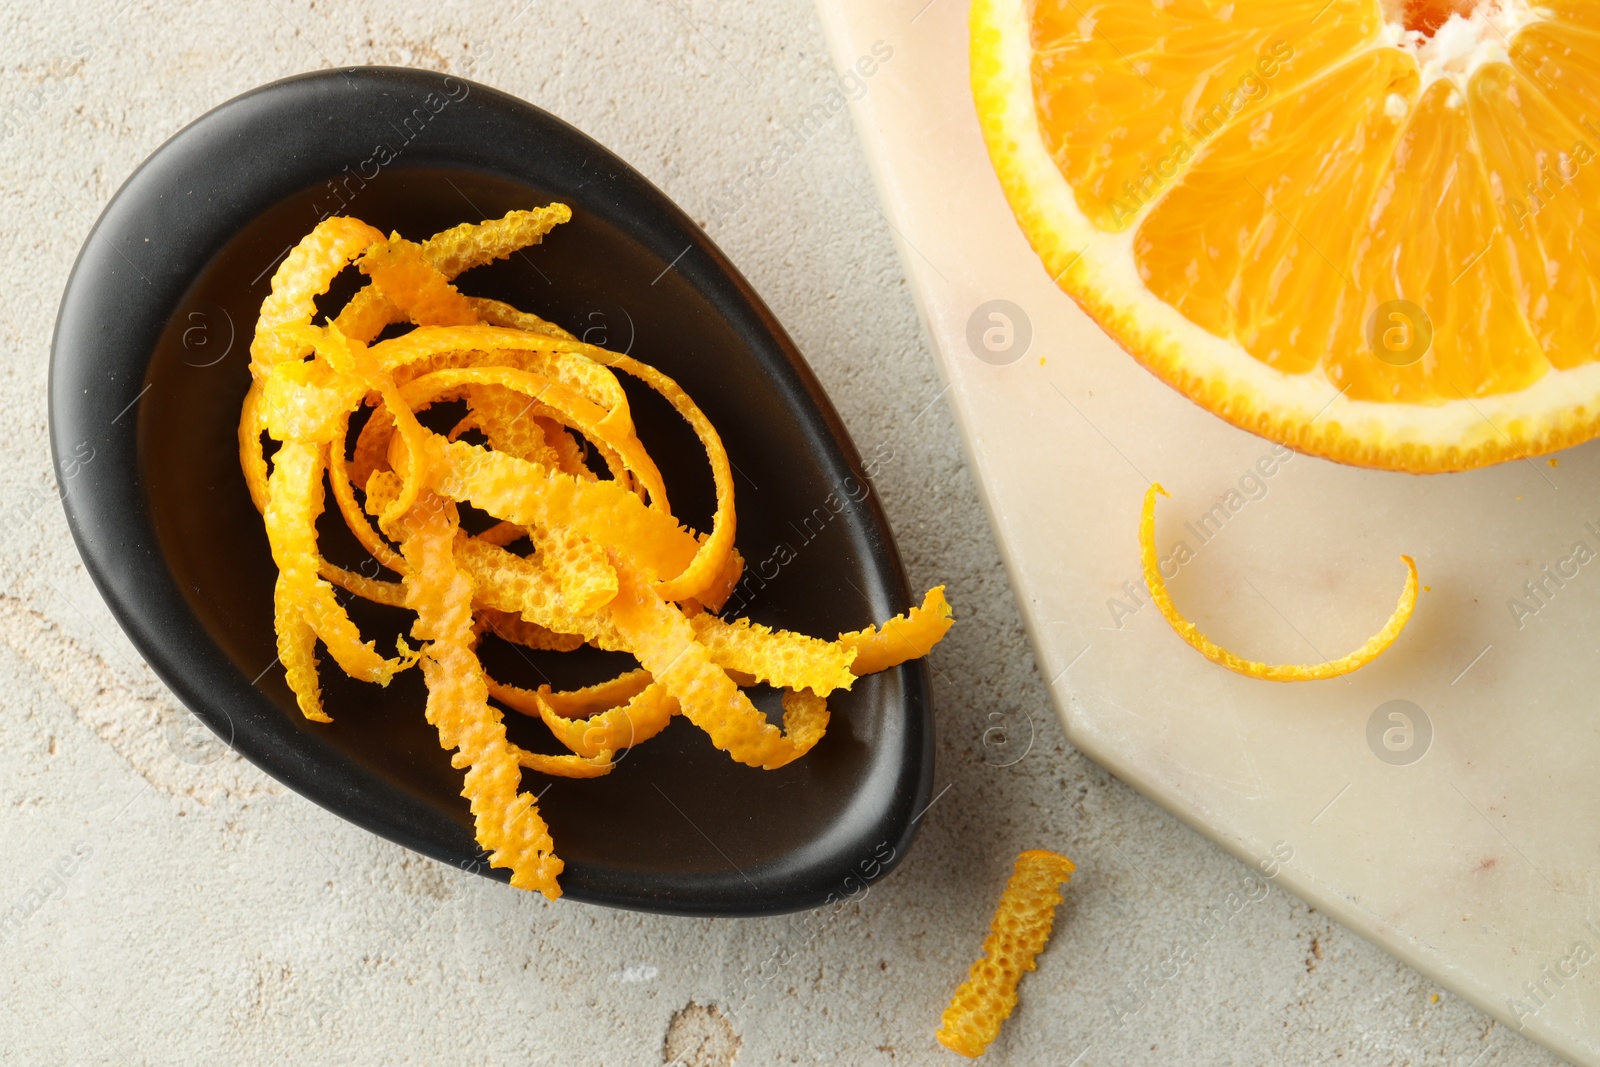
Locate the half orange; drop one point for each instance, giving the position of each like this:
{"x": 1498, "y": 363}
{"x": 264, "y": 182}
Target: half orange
{"x": 1366, "y": 229}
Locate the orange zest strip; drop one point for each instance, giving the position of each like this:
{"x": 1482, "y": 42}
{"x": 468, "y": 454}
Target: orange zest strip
{"x": 573, "y": 363}
{"x": 519, "y": 586}
{"x": 474, "y": 244}
{"x": 506, "y": 419}
{"x": 902, "y": 638}
{"x": 580, "y": 567}
{"x": 664, "y": 643}
{"x": 420, "y": 444}
{"x": 1375, "y": 645}
{"x": 520, "y": 631}
{"x": 776, "y": 657}
{"x": 593, "y": 699}
{"x": 451, "y": 252}
{"x": 715, "y": 595}
{"x": 303, "y": 276}
{"x": 507, "y": 820}
{"x": 644, "y": 715}
{"x": 496, "y": 313}
{"x": 297, "y": 651}
{"x": 354, "y": 517}
{"x": 372, "y": 448}
{"x": 1021, "y": 926}
{"x": 573, "y": 766}
{"x": 376, "y": 590}
{"x": 399, "y": 271}
{"x": 708, "y": 564}
{"x": 546, "y": 396}
{"x": 251, "y": 459}
{"x": 569, "y": 454}
{"x": 294, "y": 502}
{"x": 305, "y": 400}
{"x": 531, "y": 495}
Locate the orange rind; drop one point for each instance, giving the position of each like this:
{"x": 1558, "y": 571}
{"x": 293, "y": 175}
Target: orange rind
{"x": 1021, "y": 926}
{"x": 1374, "y": 646}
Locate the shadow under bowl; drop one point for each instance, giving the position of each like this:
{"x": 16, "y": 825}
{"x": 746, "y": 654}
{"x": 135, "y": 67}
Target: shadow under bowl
{"x": 150, "y": 364}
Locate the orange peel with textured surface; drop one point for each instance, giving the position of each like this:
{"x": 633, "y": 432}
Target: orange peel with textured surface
{"x": 606, "y": 562}
{"x": 1374, "y": 646}
{"x": 406, "y": 279}
{"x": 530, "y": 494}
{"x": 304, "y": 275}
{"x": 707, "y": 566}
{"x": 294, "y": 500}
{"x": 1021, "y": 926}
{"x": 664, "y": 643}
{"x": 904, "y": 637}
{"x": 507, "y": 820}
{"x": 520, "y": 631}
{"x": 642, "y": 716}
{"x": 776, "y": 657}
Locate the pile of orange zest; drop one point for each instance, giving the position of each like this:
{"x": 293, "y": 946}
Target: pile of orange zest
{"x": 1375, "y": 645}
{"x": 575, "y": 555}
{"x": 1017, "y": 935}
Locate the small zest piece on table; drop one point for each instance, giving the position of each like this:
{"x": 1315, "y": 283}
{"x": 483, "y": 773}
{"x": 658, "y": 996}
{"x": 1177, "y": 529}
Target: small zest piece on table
{"x": 1375, "y": 645}
{"x": 1020, "y": 929}
{"x": 581, "y": 554}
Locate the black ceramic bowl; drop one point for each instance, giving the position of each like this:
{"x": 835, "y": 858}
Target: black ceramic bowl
{"x": 150, "y": 364}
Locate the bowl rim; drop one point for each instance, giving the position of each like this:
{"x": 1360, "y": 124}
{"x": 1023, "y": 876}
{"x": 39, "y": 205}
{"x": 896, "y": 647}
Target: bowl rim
{"x": 96, "y": 381}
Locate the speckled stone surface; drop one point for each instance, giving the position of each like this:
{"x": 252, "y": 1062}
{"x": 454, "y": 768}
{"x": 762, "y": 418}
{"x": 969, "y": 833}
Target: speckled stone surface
{"x": 162, "y": 902}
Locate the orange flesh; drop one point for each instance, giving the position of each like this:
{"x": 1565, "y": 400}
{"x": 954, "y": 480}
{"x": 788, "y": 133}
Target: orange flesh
{"x": 1283, "y": 174}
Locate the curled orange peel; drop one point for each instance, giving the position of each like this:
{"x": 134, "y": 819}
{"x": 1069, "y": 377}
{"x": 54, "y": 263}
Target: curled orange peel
{"x": 642, "y": 716}
{"x": 777, "y": 657}
{"x": 1375, "y": 645}
{"x": 530, "y": 494}
{"x": 904, "y": 637}
{"x": 664, "y": 643}
{"x": 304, "y": 275}
{"x": 507, "y": 820}
{"x": 1021, "y": 926}
{"x": 406, "y": 279}
{"x": 593, "y": 699}
{"x": 544, "y": 396}
{"x": 580, "y": 545}
{"x": 520, "y": 631}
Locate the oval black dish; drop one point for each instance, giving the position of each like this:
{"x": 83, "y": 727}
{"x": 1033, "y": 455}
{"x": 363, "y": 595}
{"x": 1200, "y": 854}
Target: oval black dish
{"x": 150, "y": 363}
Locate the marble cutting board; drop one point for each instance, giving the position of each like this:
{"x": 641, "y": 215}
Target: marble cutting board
{"x": 1443, "y": 801}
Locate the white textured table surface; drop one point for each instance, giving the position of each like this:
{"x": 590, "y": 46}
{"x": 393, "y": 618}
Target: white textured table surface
{"x": 162, "y": 902}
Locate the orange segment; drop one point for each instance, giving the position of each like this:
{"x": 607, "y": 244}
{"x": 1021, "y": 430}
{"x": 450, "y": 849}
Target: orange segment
{"x": 1255, "y": 243}
{"x": 1544, "y": 166}
{"x": 1433, "y": 238}
{"x": 1129, "y": 93}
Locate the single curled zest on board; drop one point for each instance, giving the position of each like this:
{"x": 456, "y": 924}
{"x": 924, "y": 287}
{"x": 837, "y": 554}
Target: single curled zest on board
{"x": 1375, "y": 645}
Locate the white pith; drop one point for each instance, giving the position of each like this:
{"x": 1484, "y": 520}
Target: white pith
{"x": 1463, "y": 43}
